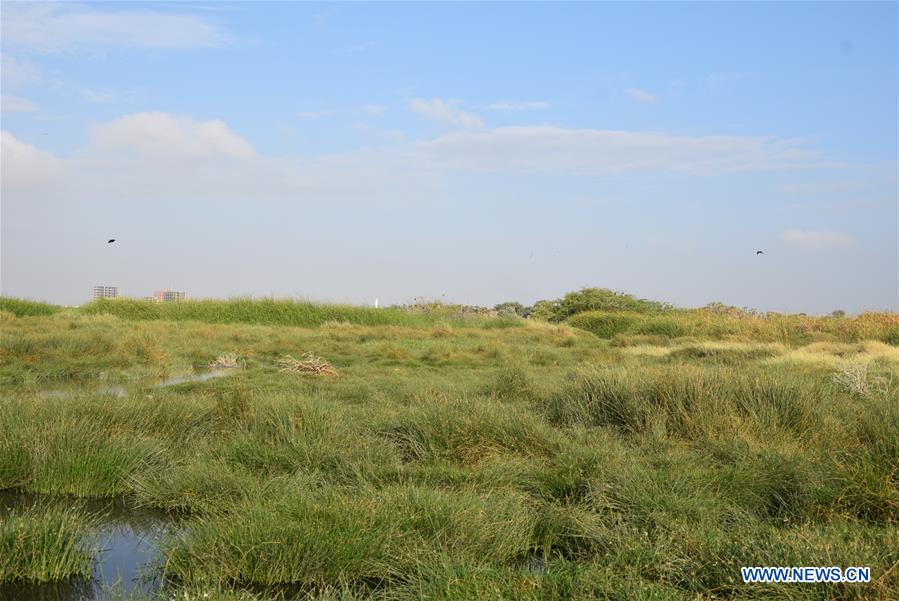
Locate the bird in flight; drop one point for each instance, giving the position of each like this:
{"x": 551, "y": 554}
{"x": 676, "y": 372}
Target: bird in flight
{"x": 110, "y": 241}
{"x": 758, "y": 252}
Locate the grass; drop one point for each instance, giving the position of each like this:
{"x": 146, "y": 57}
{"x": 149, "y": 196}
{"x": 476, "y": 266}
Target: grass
{"x": 699, "y": 323}
{"x": 273, "y": 312}
{"x": 44, "y": 544}
{"x": 460, "y": 460}
{"x": 20, "y": 307}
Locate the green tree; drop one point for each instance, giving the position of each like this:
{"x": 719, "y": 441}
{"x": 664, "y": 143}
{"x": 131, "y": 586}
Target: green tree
{"x": 511, "y": 308}
{"x": 603, "y": 299}
{"x": 545, "y": 310}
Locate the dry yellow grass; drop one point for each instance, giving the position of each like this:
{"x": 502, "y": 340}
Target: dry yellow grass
{"x": 836, "y": 354}
{"x": 650, "y": 350}
{"x": 830, "y": 354}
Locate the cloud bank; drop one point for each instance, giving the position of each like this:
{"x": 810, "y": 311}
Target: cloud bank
{"x": 443, "y": 111}
{"x": 507, "y": 105}
{"x": 161, "y": 136}
{"x": 62, "y": 27}
{"x": 151, "y": 155}
{"x": 641, "y": 95}
{"x": 15, "y": 104}
{"x": 592, "y": 151}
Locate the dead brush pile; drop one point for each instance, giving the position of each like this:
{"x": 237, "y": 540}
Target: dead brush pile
{"x": 225, "y": 361}
{"x": 307, "y": 364}
{"x": 856, "y": 380}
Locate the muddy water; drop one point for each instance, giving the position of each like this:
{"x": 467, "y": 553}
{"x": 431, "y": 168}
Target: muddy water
{"x": 128, "y": 561}
{"x": 198, "y": 377}
{"x": 122, "y": 391}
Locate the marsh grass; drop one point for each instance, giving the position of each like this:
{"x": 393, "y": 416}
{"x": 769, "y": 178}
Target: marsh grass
{"x": 535, "y": 461}
{"x": 276, "y": 312}
{"x": 45, "y": 543}
{"x": 20, "y": 307}
{"x": 793, "y": 330}
{"x": 315, "y": 535}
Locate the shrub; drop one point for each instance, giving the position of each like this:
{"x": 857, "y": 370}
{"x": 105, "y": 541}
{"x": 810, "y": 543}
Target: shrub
{"x": 603, "y": 299}
{"x": 603, "y": 324}
{"x": 511, "y": 308}
{"x": 545, "y": 310}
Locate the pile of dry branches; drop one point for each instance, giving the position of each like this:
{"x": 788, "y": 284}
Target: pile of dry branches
{"x": 226, "y": 361}
{"x": 308, "y": 364}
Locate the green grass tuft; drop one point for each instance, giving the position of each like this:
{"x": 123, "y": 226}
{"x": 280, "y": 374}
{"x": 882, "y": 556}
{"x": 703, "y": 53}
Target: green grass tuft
{"x": 21, "y": 307}
{"x": 43, "y": 543}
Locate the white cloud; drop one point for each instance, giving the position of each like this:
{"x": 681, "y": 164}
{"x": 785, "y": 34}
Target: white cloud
{"x": 508, "y": 105}
{"x": 187, "y": 178}
{"x": 25, "y": 168}
{"x": 816, "y": 239}
{"x": 314, "y": 114}
{"x": 443, "y": 111}
{"x": 163, "y": 136}
{"x": 556, "y": 149}
{"x": 640, "y": 95}
{"x": 151, "y": 157}
{"x": 15, "y": 104}
{"x": 375, "y": 110}
{"x": 156, "y": 157}
{"x": 54, "y": 27}
{"x": 17, "y": 72}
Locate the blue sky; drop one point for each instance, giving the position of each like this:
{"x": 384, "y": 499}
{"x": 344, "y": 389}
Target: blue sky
{"x": 472, "y": 152}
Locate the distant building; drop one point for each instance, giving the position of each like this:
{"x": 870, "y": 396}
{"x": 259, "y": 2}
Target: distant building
{"x": 105, "y": 292}
{"x": 167, "y": 296}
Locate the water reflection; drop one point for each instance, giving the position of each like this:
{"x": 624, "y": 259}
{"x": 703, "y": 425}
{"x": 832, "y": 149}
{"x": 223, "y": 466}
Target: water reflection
{"x": 128, "y": 538}
{"x": 198, "y": 377}
{"x": 122, "y": 391}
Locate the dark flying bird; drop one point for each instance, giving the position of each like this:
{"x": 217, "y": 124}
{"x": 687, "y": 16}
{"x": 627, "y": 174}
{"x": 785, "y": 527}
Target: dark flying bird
{"x": 110, "y": 241}
{"x": 758, "y": 252}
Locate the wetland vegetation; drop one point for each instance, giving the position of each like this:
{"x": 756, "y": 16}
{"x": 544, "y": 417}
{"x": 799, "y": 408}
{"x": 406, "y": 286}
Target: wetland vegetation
{"x": 597, "y": 449}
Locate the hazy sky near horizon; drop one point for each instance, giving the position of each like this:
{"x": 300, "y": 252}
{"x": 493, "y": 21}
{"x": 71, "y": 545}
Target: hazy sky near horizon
{"x": 471, "y": 152}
